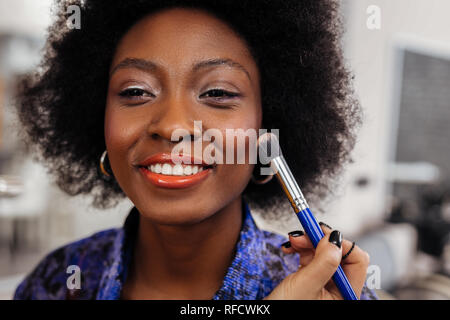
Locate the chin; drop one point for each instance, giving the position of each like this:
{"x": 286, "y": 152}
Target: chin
{"x": 175, "y": 212}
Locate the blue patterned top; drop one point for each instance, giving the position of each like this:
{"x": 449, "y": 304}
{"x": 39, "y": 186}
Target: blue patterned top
{"x": 257, "y": 267}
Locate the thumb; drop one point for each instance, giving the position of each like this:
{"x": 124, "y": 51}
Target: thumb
{"x": 326, "y": 260}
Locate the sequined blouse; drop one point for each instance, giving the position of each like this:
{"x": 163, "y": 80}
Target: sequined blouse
{"x": 102, "y": 260}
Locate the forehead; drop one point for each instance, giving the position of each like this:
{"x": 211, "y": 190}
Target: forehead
{"x": 179, "y": 37}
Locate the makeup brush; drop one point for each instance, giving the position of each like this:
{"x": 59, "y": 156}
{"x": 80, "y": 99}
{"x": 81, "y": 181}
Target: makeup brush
{"x": 269, "y": 149}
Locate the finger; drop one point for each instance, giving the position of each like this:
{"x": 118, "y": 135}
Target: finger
{"x": 299, "y": 240}
{"x": 287, "y": 248}
{"x": 315, "y": 275}
{"x": 324, "y": 225}
{"x": 355, "y": 256}
{"x": 355, "y": 267}
{"x": 346, "y": 245}
{"x": 306, "y": 256}
{"x": 300, "y": 243}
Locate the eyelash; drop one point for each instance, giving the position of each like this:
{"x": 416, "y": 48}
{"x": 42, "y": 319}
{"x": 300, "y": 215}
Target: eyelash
{"x": 225, "y": 93}
{"x": 128, "y": 93}
{"x": 218, "y": 95}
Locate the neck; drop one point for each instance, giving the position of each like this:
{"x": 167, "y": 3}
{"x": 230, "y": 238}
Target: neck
{"x": 187, "y": 261}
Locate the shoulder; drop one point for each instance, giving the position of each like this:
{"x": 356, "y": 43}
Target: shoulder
{"x": 368, "y": 294}
{"x": 48, "y": 280}
{"x": 276, "y": 257}
{"x": 277, "y": 264}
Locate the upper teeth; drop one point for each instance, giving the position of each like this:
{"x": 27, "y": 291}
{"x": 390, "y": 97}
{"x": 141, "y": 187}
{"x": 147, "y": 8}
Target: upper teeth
{"x": 175, "y": 170}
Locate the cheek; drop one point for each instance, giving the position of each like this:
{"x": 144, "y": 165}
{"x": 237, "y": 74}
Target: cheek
{"x": 121, "y": 130}
{"x": 237, "y": 174}
{"x": 247, "y": 128}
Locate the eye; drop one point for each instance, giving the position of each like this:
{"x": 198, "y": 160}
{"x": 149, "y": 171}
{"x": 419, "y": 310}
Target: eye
{"x": 219, "y": 94}
{"x": 135, "y": 93}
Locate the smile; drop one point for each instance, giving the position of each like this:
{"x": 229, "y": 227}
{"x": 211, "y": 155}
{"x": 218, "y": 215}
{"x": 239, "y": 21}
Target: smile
{"x": 161, "y": 171}
{"x": 175, "y": 170}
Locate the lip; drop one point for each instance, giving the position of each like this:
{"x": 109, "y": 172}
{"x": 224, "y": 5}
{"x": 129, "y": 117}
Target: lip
{"x": 173, "y": 182}
{"x": 167, "y": 158}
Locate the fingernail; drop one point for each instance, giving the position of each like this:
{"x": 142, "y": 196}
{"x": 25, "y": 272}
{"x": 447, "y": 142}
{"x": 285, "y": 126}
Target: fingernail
{"x": 287, "y": 244}
{"x": 324, "y": 224}
{"x": 336, "y": 238}
{"x": 296, "y": 233}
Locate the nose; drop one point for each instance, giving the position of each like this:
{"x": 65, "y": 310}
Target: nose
{"x": 174, "y": 117}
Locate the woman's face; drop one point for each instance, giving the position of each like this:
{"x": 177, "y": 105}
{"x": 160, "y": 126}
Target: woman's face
{"x": 169, "y": 70}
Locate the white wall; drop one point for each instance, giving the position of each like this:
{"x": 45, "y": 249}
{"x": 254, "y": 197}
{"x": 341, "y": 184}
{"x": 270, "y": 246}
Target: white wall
{"x": 370, "y": 55}
{"x": 25, "y": 16}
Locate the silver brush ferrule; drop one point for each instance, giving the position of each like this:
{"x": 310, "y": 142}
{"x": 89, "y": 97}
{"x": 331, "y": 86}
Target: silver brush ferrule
{"x": 287, "y": 181}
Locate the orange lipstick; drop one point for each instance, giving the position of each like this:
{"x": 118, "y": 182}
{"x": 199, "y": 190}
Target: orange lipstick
{"x": 159, "y": 170}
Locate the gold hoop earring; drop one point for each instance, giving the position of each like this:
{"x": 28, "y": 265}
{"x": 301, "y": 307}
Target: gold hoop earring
{"x": 261, "y": 181}
{"x": 102, "y": 166}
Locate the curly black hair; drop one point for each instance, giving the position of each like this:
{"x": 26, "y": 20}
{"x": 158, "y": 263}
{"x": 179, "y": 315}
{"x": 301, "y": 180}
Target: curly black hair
{"x": 306, "y": 89}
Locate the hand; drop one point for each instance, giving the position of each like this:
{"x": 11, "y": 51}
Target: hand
{"x": 312, "y": 281}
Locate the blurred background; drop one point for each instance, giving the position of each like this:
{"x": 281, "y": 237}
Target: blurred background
{"x": 394, "y": 199}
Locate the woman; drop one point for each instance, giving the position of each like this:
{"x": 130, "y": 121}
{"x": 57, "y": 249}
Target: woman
{"x": 137, "y": 71}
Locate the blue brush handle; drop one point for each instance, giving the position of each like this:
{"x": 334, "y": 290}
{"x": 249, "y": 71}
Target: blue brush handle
{"x": 315, "y": 233}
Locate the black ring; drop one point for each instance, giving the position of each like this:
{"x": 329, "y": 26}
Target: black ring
{"x": 349, "y": 251}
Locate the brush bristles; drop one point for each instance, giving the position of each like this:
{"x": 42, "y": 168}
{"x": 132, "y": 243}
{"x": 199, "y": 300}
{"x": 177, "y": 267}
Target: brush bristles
{"x": 269, "y": 146}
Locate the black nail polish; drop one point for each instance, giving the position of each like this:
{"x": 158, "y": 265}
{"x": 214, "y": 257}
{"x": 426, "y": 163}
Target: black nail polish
{"x": 296, "y": 233}
{"x": 336, "y": 238}
{"x": 287, "y": 244}
{"x": 324, "y": 224}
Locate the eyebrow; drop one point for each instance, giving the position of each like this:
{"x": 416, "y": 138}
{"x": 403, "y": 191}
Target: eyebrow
{"x": 144, "y": 65}
{"x": 219, "y": 62}
{"x": 149, "y": 66}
